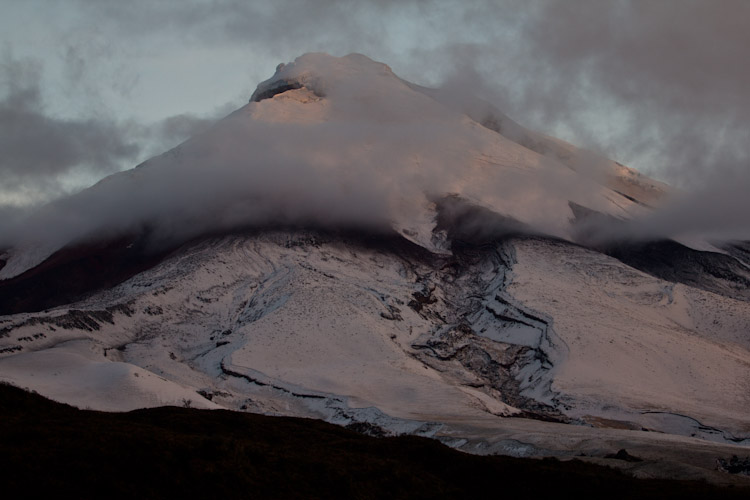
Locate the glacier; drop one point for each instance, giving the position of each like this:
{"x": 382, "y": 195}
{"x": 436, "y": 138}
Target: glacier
{"x": 356, "y": 248}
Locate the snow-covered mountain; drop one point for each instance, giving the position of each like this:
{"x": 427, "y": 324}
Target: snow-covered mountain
{"x": 353, "y": 247}
{"x": 342, "y": 142}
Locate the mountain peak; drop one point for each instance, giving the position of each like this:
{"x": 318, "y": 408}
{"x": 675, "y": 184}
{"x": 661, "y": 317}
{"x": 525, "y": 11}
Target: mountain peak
{"x": 339, "y": 142}
{"x": 355, "y": 247}
{"x": 318, "y": 72}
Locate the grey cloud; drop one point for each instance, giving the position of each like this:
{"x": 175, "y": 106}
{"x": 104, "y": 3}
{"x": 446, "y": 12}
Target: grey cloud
{"x": 223, "y": 20}
{"x": 375, "y": 154}
{"x": 40, "y": 150}
{"x": 674, "y": 68}
{"x": 38, "y": 147}
{"x": 655, "y": 84}
{"x": 175, "y": 129}
{"x": 661, "y": 85}
{"x": 93, "y": 66}
{"x": 347, "y": 171}
{"x": 672, "y": 76}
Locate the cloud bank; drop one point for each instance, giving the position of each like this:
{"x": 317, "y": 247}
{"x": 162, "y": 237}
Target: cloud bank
{"x": 46, "y": 155}
{"x": 38, "y": 148}
{"x": 352, "y": 146}
{"x": 661, "y": 86}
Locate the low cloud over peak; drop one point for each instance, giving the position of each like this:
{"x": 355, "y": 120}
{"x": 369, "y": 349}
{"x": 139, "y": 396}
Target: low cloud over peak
{"x": 371, "y": 151}
{"x": 343, "y": 142}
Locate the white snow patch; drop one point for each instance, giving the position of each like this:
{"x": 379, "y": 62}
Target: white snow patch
{"x": 73, "y": 374}
{"x": 659, "y": 346}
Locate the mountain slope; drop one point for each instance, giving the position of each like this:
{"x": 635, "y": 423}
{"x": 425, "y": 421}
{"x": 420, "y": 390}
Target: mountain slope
{"x": 332, "y": 142}
{"x": 329, "y": 322}
{"x": 352, "y": 247}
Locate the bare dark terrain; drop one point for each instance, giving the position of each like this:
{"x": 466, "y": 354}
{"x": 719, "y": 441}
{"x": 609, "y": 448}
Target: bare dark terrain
{"x": 49, "y": 448}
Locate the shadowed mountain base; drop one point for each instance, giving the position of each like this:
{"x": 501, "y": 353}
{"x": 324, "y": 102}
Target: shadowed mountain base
{"x": 48, "y": 447}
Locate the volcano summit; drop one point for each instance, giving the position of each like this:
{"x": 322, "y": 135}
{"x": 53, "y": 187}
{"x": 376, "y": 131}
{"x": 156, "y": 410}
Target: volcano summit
{"x": 353, "y": 247}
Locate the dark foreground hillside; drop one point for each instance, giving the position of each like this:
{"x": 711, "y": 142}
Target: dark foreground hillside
{"x": 50, "y": 448}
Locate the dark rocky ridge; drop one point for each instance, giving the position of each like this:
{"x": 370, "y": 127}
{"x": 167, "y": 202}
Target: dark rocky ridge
{"x": 727, "y": 275}
{"x": 76, "y": 271}
{"x": 671, "y": 261}
{"x": 278, "y": 89}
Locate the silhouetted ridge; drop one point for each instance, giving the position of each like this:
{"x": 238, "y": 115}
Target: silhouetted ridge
{"x": 170, "y": 452}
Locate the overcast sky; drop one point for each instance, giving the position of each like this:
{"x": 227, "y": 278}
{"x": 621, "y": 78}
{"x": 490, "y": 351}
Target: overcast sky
{"x": 90, "y": 87}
